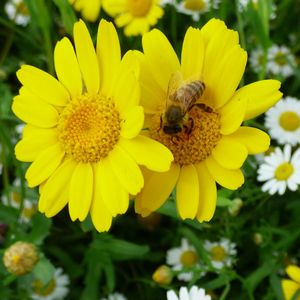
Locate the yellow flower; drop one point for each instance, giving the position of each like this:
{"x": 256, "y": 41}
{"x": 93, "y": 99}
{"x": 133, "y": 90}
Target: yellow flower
{"x": 89, "y": 9}
{"x": 212, "y": 145}
{"x": 82, "y": 137}
{"x": 136, "y": 15}
{"x": 291, "y": 286}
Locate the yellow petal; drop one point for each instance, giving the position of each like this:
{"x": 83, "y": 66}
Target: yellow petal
{"x": 100, "y": 215}
{"x": 34, "y": 111}
{"x": 294, "y": 273}
{"x": 31, "y": 145}
{"x": 126, "y": 90}
{"x": 81, "y": 191}
{"x": 207, "y": 194}
{"x": 230, "y": 179}
{"x": 43, "y": 85}
{"x": 255, "y": 140}
{"x": 91, "y": 9}
{"x": 44, "y": 165}
{"x": 220, "y": 43}
{"x": 123, "y": 19}
{"x": 109, "y": 54}
{"x": 192, "y": 53}
{"x": 115, "y": 7}
{"x": 232, "y": 68}
{"x": 289, "y": 288}
{"x": 126, "y": 170}
{"x": 55, "y": 192}
{"x": 229, "y": 153}
{"x": 157, "y": 189}
{"x": 114, "y": 195}
{"x": 260, "y": 95}
{"x": 148, "y": 152}
{"x": 87, "y": 57}
{"x": 232, "y": 115}
{"x": 187, "y": 192}
{"x": 163, "y": 61}
{"x": 67, "y": 68}
{"x": 133, "y": 122}
{"x": 152, "y": 95}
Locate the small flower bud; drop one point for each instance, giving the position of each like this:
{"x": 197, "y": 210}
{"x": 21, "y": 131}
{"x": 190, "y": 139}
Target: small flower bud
{"x": 20, "y": 258}
{"x": 162, "y": 275}
{"x": 235, "y": 207}
{"x": 257, "y": 238}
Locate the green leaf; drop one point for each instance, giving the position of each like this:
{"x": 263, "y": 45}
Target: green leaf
{"x": 67, "y": 14}
{"x": 223, "y": 202}
{"x": 44, "y": 271}
{"x": 40, "y": 229}
{"x": 276, "y": 286}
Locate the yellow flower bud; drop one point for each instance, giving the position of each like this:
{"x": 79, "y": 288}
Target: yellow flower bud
{"x": 162, "y": 275}
{"x": 20, "y": 258}
{"x": 257, "y": 238}
{"x": 236, "y": 206}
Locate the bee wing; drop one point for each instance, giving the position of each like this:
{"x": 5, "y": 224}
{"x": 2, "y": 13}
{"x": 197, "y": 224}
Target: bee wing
{"x": 174, "y": 83}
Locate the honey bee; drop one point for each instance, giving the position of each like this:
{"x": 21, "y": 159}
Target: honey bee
{"x": 181, "y": 97}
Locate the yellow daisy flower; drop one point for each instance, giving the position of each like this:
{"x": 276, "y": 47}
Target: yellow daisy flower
{"x": 83, "y": 132}
{"x": 212, "y": 145}
{"x": 291, "y": 286}
{"x": 136, "y": 15}
{"x": 90, "y": 9}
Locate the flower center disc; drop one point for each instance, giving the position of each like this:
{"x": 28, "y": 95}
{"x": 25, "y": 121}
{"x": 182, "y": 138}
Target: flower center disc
{"x": 139, "y": 8}
{"x": 289, "y": 121}
{"x": 280, "y": 58}
{"x": 44, "y": 290}
{"x": 284, "y": 171}
{"x": 193, "y": 147}
{"x": 218, "y": 253}
{"x": 196, "y": 5}
{"x": 89, "y": 128}
{"x": 189, "y": 258}
{"x": 22, "y": 9}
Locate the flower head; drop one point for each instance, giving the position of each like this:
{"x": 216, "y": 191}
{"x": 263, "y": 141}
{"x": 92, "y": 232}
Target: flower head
{"x": 83, "y": 136}
{"x": 20, "y": 258}
{"x": 57, "y": 288}
{"x": 280, "y": 170}
{"x": 136, "y": 15}
{"x": 163, "y": 275}
{"x": 193, "y": 8}
{"x": 280, "y": 61}
{"x": 194, "y": 293}
{"x": 115, "y": 296}
{"x": 283, "y": 121}
{"x": 17, "y": 11}
{"x": 89, "y": 9}
{"x": 221, "y": 253}
{"x": 209, "y": 144}
{"x": 292, "y": 285}
{"x": 185, "y": 260}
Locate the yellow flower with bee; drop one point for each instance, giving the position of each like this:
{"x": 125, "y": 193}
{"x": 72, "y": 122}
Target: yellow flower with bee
{"x": 200, "y": 120}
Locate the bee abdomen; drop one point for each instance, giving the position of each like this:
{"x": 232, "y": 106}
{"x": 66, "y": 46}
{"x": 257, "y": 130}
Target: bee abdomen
{"x": 195, "y": 88}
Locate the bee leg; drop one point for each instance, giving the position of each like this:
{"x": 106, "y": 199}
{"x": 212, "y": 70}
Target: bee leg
{"x": 188, "y": 129}
{"x": 160, "y": 124}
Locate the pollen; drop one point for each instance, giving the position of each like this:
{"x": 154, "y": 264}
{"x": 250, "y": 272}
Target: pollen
{"x": 289, "y": 120}
{"x": 196, "y": 140}
{"x": 218, "y": 253}
{"x": 89, "y": 128}
{"x": 284, "y": 171}
{"x": 189, "y": 258}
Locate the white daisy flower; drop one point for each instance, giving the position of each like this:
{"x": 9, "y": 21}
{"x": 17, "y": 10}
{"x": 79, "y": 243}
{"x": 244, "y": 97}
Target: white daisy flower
{"x": 194, "y": 293}
{"x": 115, "y": 296}
{"x": 283, "y": 121}
{"x": 56, "y": 289}
{"x": 14, "y": 200}
{"x": 185, "y": 257}
{"x": 221, "y": 253}
{"x": 280, "y": 61}
{"x": 280, "y": 170}
{"x": 256, "y": 59}
{"x": 193, "y": 8}
{"x": 17, "y": 11}
{"x": 243, "y": 5}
